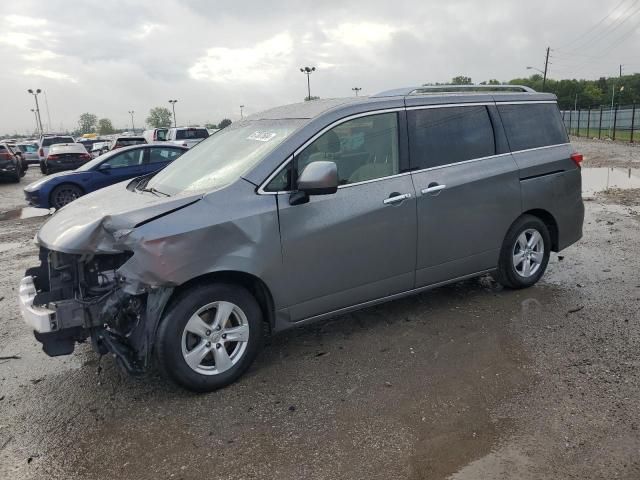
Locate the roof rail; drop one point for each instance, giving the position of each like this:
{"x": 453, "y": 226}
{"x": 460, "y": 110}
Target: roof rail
{"x": 427, "y": 89}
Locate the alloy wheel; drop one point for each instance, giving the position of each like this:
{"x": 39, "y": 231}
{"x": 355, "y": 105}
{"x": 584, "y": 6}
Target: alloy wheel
{"x": 528, "y": 253}
{"x": 215, "y": 338}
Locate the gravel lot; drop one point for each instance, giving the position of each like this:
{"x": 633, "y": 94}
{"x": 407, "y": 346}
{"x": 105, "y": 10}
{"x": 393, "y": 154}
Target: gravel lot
{"x": 468, "y": 381}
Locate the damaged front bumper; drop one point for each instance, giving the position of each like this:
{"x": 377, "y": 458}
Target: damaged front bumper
{"x": 71, "y": 298}
{"x": 39, "y": 319}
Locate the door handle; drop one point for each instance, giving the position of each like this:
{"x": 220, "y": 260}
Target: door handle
{"x": 433, "y": 188}
{"x": 396, "y": 199}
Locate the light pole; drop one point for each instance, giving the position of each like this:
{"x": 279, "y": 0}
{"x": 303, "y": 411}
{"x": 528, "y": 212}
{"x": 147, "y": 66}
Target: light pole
{"x": 241, "y": 114}
{"x": 173, "y": 105}
{"x": 35, "y": 114}
{"x": 131, "y": 112}
{"x": 308, "y": 71}
{"x": 356, "y": 89}
{"x": 35, "y": 95}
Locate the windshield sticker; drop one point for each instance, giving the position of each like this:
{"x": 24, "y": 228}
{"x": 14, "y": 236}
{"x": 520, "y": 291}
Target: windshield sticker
{"x": 262, "y": 136}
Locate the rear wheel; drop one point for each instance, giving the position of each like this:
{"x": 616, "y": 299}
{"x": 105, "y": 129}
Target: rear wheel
{"x": 525, "y": 253}
{"x": 209, "y": 336}
{"x": 64, "y": 194}
{"x": 43, "y": 169}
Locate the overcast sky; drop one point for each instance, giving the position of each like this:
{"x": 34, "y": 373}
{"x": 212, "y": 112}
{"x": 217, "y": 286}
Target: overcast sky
{"x": 110, "y": 56}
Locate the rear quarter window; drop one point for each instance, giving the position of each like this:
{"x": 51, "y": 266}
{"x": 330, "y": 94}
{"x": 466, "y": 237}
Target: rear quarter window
{"x": 532, "y": 125}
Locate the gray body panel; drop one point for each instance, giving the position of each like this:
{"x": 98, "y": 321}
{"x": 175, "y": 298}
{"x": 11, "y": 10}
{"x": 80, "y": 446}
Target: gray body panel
{"x": 552, "y": 182}
{"x": 348, "y": 247}
{"x": 461, "y": 228}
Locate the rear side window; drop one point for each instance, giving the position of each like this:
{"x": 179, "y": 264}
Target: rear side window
{"x": 532, "y": 126}
{"x": 442, "y": 136}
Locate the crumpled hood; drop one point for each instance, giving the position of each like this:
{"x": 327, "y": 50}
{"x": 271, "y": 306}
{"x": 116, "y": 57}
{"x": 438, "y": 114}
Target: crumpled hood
{"x": 88, "y": 224}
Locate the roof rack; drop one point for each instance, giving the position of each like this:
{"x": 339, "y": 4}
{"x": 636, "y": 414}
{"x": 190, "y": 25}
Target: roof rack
{"x": 432, "y": 89}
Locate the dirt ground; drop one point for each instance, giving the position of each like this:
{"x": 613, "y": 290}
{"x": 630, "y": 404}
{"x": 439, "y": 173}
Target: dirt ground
{"x": 468, "y": 381}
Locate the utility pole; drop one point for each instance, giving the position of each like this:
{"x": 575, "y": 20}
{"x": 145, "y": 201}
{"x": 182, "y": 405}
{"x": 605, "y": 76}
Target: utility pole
{"x": 46, "y": 104}
{"x": 620, "y": 71}
{"x": 357, "y": 90}
{"x": 241, "y": 114}
{"x": 546, "y": 69}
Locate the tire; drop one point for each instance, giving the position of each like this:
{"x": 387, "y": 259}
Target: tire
{"x": 534, "y": 255}
{"x": 64, "y": 194}
{"x": 43, "y": 169}
{"x": 195, "y": 310}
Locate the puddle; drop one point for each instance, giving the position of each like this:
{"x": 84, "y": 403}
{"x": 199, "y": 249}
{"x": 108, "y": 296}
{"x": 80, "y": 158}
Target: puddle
{"x": 596, "y": 180}
{"x": 27, "y": 212}
{"x": 5, "y": 247}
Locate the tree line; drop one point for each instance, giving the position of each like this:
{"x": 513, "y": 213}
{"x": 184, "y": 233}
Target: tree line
{"x": 624, "y": 90}
{"x": 159, "y": 117}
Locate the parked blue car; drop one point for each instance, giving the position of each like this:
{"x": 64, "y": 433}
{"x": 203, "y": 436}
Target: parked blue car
{"x": 55, "y": 191}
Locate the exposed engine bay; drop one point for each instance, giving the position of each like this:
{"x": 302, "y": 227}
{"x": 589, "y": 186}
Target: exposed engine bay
{"x": 87, "y": 294}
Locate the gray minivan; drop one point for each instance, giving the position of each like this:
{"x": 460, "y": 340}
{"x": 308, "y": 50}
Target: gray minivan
{"x": 301, "y": 213}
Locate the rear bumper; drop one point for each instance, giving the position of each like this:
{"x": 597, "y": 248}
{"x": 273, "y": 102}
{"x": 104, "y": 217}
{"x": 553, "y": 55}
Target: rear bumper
{"x": 8, "y": 170}
{"x": 40, "y": 319}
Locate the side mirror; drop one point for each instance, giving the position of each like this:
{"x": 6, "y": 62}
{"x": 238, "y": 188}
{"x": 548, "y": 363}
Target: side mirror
{"x": 104, "y": 168}
{"x": 319, "y": 178}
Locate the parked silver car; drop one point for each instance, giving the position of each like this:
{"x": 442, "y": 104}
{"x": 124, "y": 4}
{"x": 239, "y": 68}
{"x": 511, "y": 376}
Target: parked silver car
{"x": 29, "y": 151}
{"x": 303, "y": 213}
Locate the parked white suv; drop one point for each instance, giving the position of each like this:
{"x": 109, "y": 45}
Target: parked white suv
{"x": 187, "y": 136}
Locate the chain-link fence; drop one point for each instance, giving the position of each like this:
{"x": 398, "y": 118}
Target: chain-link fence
{"x": 620, "y": 122}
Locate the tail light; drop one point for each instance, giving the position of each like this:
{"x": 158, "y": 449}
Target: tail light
{"x": 41, "y": 152}
{"x": 52, "y": 157}
{"x": 5, "y": 156}
{"x": 577, "y": 158}
{"x": 85, "y": 156}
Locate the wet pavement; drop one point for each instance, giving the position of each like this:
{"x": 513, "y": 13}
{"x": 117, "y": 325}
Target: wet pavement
{"x": 467, "y": 381}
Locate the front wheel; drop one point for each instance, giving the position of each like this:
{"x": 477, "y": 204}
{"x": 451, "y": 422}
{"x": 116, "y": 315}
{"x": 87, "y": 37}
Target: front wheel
{"x": 525, "y": 253}
{"x": 65, "y": 194}
{"x": 209, "y": 336}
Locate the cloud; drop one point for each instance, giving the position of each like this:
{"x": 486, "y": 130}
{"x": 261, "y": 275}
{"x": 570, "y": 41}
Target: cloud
{"x": 362, "y": 34}
{"x": 23, "y": 21}
{"x": 255, "y": 64}
{"x": 116, "y": 56}
{"x": 51, "y": 74}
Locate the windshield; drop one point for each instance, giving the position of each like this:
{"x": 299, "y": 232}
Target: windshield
{"x": 127, "y": 142}
{"x": 224, "y": 157}
{"x": 48, "y": 141}
{"x": 191, "y": 133}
